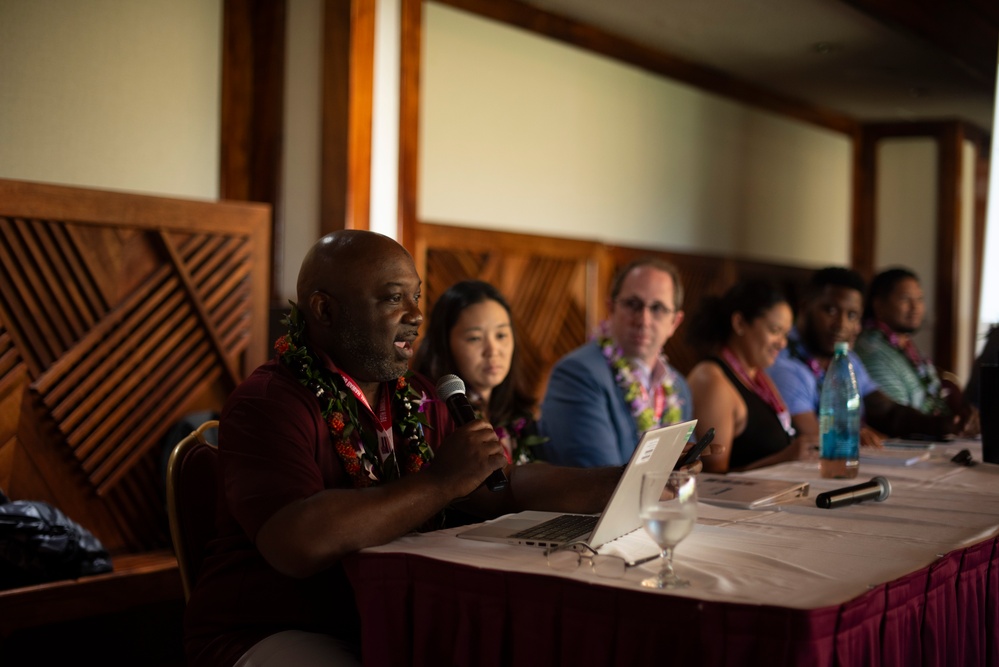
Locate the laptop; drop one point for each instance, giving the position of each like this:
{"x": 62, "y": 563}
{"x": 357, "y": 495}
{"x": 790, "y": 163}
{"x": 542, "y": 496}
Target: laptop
{"x": 658, "y": 449}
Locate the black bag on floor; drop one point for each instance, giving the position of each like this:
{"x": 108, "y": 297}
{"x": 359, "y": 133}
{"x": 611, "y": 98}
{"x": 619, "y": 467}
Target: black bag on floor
{"x": 38, "y": 543}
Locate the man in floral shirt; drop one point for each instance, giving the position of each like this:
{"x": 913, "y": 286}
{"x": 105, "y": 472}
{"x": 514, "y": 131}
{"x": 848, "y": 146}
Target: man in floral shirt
{"x": 333, "y": 446}
{"x": 602, "y": 396}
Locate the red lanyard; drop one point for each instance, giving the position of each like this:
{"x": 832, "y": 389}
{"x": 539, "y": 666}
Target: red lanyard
{"x": 759, "y": 384}
{"x": 383, "y": 418}
{"x": 659, "y": 399}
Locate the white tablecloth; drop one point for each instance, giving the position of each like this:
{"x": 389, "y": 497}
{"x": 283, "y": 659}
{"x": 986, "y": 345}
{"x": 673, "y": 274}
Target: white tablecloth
{"x": 793, "y": 555}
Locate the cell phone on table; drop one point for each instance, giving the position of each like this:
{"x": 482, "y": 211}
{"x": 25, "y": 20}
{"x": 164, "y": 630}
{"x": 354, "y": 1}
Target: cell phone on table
{"x": 691, "y": 455}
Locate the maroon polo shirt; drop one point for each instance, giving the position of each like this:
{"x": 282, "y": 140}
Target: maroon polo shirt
{"x": 274, "y": 449}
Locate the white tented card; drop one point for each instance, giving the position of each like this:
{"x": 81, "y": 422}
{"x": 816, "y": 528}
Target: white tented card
{"x": 733, "y": 491}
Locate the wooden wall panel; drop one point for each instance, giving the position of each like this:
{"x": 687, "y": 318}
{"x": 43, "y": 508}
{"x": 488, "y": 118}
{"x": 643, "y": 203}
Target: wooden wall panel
{"x": 548, "y": 283}
{"x": 558, "y": 288}
{"x": 118, "y": 315}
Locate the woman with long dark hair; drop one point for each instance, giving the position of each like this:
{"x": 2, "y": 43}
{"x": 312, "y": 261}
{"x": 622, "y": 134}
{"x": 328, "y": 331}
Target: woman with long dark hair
{"x": 471, "y": 334}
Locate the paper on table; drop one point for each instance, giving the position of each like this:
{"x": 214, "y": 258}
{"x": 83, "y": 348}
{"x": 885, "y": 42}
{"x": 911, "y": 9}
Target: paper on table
{"x": 900, "y": 443}
{"x": 894, "y": 457}
{"x": 746, "y": 492}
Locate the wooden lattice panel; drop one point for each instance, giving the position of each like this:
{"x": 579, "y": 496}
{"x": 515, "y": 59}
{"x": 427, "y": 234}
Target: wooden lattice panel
{"x": 548, "y": 282}
{"x": 118, "y": 315}
{"x": 10, "y": 360}
{"x": 547, "y": 296}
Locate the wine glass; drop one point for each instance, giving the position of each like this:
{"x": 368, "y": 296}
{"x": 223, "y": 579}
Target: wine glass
{"x": 668, "y": 509}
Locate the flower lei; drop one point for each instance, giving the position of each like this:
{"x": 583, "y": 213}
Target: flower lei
{"x": 922, "y": 365}
{"x": 522, "y": 440}
{"x": 357, "y": 447}
{"x": 924, "y": 368}
{"x": 640, "y": 403}
{"x": 796, "y": 348}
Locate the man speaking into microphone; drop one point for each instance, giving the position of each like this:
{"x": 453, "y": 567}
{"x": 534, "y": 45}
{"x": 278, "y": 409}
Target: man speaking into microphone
{"x": 333, "y": 446}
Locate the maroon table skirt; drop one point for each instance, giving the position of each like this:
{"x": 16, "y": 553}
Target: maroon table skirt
{"x": 420, "y": 611}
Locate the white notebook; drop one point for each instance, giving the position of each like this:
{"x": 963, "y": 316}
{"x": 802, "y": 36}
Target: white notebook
{"x": 746, "y": 493}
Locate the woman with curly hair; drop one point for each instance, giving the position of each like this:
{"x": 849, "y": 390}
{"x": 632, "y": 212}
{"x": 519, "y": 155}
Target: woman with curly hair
{"x": 741, "y": 334}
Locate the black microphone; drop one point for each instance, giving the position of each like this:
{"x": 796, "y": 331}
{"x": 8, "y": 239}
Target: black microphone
{"x": 879, "y": 488}
{"x": 452, "y": 391}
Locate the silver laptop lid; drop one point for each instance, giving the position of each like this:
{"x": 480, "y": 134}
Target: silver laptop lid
{"x": 658, "y": 449}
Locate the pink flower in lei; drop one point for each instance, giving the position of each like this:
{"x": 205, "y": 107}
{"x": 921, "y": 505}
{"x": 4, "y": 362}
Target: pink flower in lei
{"x": 640, "y": 402}
{"x": 922, "y": 365}
{"x": 796, "y": 348}
{"x": 519, "y": 442}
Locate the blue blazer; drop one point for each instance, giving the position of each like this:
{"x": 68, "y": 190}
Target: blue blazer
{"x": 584, "y": 413}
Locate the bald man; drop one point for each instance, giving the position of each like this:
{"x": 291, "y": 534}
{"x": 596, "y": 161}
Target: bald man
{"x": 331, "y": 447}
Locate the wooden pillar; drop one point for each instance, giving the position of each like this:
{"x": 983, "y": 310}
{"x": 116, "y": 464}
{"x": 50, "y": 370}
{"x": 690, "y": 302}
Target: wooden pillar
{"x": 347, "y": 83}
{"x": 409, "y": 120}
{"x": 252, "y": 107}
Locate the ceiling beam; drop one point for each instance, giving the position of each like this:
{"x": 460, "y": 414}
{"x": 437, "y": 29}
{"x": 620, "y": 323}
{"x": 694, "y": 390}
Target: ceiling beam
{"x": 592, "y": 38}
{"x": 967, "y": 30}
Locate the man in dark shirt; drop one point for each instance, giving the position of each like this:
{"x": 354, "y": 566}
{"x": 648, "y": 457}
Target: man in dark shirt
{"x": 332, "y": 447}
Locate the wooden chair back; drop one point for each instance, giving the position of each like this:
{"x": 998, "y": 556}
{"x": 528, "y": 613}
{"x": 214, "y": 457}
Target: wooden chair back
{"x": 192, "y": 496}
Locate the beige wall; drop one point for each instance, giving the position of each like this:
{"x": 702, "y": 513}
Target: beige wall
{"x": 523, "y": 133}
{"x": 125, "y": 95}
{"x": 112, "y": 94}
{"x": 518, "y": 132}
{"x": 906, "y": 216}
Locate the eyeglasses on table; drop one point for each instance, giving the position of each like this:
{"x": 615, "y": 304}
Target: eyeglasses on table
{"x": 570, "y": 557}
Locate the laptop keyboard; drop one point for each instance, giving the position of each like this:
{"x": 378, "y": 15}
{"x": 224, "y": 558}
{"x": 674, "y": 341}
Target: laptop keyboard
{"x": 563, "y": 528}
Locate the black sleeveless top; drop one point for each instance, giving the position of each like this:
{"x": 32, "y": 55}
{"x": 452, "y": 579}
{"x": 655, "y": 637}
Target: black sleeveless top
{"x": 763, "y": 434}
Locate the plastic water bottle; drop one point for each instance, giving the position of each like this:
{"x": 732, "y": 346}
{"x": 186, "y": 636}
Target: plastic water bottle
{"x": 839, "y": 418}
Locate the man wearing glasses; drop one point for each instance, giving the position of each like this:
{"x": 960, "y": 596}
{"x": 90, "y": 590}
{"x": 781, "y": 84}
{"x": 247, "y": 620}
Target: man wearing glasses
{"x": 603, "y": 395}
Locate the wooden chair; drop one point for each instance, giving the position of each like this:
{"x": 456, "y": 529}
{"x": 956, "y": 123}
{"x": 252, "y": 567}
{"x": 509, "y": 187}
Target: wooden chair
{"x": 191, "y": 499}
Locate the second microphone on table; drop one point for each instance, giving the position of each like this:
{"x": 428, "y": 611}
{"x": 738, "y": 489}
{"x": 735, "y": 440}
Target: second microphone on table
{"x": 451, "y": 389}
{"x": 878, "y": 489}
